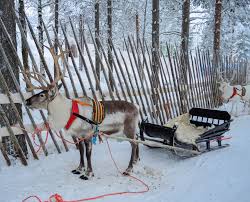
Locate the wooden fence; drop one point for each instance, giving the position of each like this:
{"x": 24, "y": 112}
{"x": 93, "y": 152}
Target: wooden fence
{"x": 132, "y": 79}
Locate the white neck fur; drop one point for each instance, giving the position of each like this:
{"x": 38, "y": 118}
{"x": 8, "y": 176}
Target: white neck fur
{"x": 59, "y": 110}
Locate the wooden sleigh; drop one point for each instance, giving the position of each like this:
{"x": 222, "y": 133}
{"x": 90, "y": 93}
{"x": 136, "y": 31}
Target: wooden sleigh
{"x": 218, "y": 121}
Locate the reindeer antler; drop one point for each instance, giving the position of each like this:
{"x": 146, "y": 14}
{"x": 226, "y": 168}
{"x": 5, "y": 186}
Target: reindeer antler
{"x": 40, "y": 78}
{"x": 58, "y": 74}
{"x": 233, "y": 76}
{"x": 219, "y": 74}
{"x": 31, "y": 87}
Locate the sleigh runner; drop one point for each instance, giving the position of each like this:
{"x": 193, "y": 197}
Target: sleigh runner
{"x": 206, "y": 126}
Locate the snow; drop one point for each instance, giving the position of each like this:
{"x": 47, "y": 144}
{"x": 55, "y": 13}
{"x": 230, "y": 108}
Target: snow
{"x": 218, "y": 176}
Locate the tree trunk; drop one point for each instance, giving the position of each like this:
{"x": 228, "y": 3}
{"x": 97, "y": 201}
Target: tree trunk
{"x": 109, "y": 7}
{"x": 81, "y": 33}
{"x": 217, "y": 31}
{"x": 155, "y": 46}
{"x": 97, "y": 34}
{"x": 144, "y": 22}
{"x": 137, "y": 26}
{"x": 23, "y": 23}
{"x": 184, "y": 52}
{"x": 8, "y": 16}
{"x": 40, "y": 33}
{"x": 216, "y": 48}
{"x": 56, "y": 27}
{"x": 184, "y": 39}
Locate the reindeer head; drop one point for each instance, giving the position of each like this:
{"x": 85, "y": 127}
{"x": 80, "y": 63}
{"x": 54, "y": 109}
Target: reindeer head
{"x": 42, "y": 99}
{"x": 49, "y": 90}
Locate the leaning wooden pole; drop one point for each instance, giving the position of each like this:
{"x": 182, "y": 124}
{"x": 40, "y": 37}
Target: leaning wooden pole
{"x": 176, "y": 86}
{"x": 110, "y": 68}
{"x": 133, "y": 89}
{"x": 51, "y": 45}
{"x": 19, "y": 119}
{"x": 155, "y": 107}
{"x": 193, "y": 85}
{"x": 154, "y": 110}
{"x": 138, "y": 86}
{"x": 116, "y": 71}
{"x": 102, "y": 67}
{"x": 16, "y": 82}
{"x": 156, "y": 90}
{"x": 66, "y": 64}
{"x": 5, "y": 155}
{"x": 73, "y": 60}
{"x": 49, "y": 75}
{"x": 171, "y": 90}
{"x": 13, "y": 137}
{"x": 122, "y": 72}
{"x": 40, "y": 51}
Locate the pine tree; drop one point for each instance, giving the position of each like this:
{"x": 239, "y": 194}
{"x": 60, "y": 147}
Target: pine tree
{"x": 217, "y": 31}
{"x": 110, "y": 60}
{"x": 97, "y": 35}
{"x": 185, "y": 38}
{"x": 8, "y": 16}
{"x": 155, "y": 41}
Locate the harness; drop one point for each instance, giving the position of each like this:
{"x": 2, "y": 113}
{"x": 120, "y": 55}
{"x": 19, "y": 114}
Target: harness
{"x": 97, "y": 116}
{"x": 235, "y": 92}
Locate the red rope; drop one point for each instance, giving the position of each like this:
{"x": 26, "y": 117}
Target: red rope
{"x": 79, "y": 139}
{"x": 221, "y": 138}
{"x": 36, "y": 197}
{"x": 58, "y": 198}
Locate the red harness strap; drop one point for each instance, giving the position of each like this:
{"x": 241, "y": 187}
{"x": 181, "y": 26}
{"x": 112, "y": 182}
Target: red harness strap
{"x": 234, "y": 93}
{"x": 72, "y": 117}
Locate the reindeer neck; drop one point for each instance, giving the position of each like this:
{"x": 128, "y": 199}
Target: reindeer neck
{"x": 59, "y": 110}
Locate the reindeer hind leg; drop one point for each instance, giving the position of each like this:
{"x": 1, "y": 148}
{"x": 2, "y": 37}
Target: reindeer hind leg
{"x": 129, "y": 131}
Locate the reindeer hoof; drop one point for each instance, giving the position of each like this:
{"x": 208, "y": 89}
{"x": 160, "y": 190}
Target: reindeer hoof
{"x": 76, "y": 172}
{"x": 125, "y": 173}
{"x": 83, "y": 177}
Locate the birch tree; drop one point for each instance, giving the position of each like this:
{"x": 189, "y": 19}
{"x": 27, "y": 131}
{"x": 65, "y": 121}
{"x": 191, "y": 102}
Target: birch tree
{"x": 40, "y": 32}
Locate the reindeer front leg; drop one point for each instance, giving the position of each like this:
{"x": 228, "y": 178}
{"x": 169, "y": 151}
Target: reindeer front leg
{"x": 89, "y": 172}
{"x": 81, "y": 166}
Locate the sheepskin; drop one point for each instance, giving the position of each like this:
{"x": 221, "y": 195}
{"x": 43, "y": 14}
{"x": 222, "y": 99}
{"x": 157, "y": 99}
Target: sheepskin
{"x": 186, "y": 132}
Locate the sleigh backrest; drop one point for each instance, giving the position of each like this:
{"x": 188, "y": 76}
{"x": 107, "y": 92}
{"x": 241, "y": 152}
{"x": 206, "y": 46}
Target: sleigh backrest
{"x": 208, "y": 117}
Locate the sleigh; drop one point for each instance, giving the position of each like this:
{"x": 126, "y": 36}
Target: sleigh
{"x": 214, "y": 122}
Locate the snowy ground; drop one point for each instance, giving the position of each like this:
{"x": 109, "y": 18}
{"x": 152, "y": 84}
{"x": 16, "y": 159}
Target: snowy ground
{"x": 218, "y": 176}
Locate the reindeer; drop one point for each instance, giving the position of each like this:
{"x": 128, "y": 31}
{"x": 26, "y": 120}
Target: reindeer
{"x": 119, "y": 117}
{"x": 235, "y": 93}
